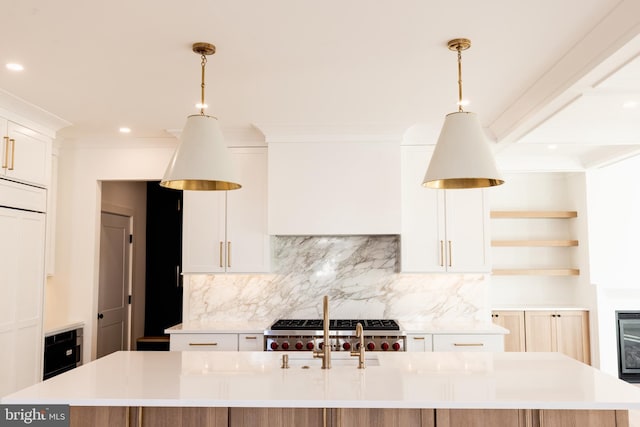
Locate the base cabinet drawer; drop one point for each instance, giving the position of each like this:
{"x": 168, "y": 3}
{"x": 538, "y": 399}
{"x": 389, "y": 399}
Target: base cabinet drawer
{"x": 419, "y": 342}
{"x": 250, "y": 342}
{"x": 471, "y": 342}
{"x": 204, "y": 342}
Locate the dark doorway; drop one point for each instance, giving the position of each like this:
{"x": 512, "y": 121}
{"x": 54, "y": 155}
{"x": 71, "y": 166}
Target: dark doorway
{"x": 163, "y": 301}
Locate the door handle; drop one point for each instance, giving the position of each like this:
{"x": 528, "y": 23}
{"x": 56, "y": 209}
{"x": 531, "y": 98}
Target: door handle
{"x": 450, "y": 260}
{"x": 13, "y": 154}
{"x": 221, "y": 249}
{"x": 6, "y": 152}
{"x": 100, "y": 316}
{"x": 229, "y": 254}
{"x": 177, "y": 276}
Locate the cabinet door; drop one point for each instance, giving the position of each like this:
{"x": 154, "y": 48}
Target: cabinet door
{"x": 467, "y": 222}
{"x": 540, "y": 330}
{"x": 250, "y": 342}
{"x": 21, "y": 287}
{"x": 419, "y": 342}
{"x": 247, "y": 246}
{"x": 203, "y": 240}
{"x": 514, "y": 322}
{"x": 572, "y": 334}
{"x": 29, "y": 155}
{"x": 423, "y": 225}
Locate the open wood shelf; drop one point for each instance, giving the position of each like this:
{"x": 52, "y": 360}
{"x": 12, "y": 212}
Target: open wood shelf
{"x": 534, "y": 214}
{"x": 536, "y": 272}
{"x": 534, "y": 243}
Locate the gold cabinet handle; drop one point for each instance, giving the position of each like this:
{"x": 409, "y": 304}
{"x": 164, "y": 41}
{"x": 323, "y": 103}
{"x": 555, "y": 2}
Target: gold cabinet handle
{"x": 13, "y": 154}
{"x": 199, "y": 344}
{"x": 229, "y": 254}
{"x": 450, "y": 260}
{"x": 6, "y": 152}
{"x": 441, "y": 253}
{"x": 477, "y": 344}
{"x": 251, "y": 338}
{"x": 221, "y": 248}
{"x": 418, "y": 338}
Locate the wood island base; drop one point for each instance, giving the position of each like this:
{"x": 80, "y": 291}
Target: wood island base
{"x": 112, "y": 416}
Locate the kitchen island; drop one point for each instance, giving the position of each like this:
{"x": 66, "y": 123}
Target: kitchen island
{"x": 421, "y": 389}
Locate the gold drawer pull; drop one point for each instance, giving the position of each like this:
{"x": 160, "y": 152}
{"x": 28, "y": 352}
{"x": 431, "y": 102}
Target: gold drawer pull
{"x": 418, "y": 338}
{"x": 478, "y": 344}
{"x": 203, "y": 343}
{"x": 250, "y": 338}
{"x": 6, "y": 152}
{"x": 221, "y": 246}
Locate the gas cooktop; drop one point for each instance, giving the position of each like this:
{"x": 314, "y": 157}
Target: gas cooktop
{"x": 335, "y": 324}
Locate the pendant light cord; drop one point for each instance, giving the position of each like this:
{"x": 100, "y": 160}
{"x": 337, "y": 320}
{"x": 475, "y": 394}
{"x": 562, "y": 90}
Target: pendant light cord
{"x": 203, "y": 64}
{"x": 459, "y": 79}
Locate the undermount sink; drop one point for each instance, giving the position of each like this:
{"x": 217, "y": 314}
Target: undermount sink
{"x": 315, "y": 363}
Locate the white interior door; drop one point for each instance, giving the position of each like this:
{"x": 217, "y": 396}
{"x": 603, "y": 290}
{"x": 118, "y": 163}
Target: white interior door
{"x": 113, "y": 313}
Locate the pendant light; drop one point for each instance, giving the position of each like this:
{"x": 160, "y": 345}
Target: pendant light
{"x": 202, "y": 160}
{"x": 462, "y": 157}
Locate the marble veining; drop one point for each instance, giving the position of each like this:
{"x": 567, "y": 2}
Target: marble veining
{"x": 359, "y": 273}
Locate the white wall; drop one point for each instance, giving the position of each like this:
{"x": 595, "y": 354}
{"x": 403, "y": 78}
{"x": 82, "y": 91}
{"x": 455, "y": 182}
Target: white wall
{"x": 613, "y": 200}
{"x": 82, "y": 165}
{"x": 130, "y": 198}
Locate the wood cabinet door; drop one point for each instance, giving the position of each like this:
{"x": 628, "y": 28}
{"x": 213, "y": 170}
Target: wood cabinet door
{"x": 480, "y": 418}
{"x": 278, "y": 417}
{"x": 540, "y": 331}
{"x": 514, "y": 322}
{"x": 572, "y": 334}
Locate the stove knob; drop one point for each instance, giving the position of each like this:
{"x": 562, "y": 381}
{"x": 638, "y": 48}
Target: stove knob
{"x": 385, "y": 346}
{"x": 371, "y": 346}
{"x": 285, "y": 345}
{"x": 358, "y": 346}
{"x": 299, "y": 345}
{"x": 321, "y": 345}
{"x": 310, "y": 345}
{"x": 274, "y": 345}
{"x": 346, "y": 346}
{"x": 396, "y": 346}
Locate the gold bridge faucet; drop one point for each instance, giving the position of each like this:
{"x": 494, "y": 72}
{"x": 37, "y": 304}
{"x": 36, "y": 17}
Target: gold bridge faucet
{"x": 325, "y": 352}
{"x": 360, "y": 351}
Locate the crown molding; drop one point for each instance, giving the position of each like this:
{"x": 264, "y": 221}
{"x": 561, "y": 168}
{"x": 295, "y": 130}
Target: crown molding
{"x": 29, "y": 115}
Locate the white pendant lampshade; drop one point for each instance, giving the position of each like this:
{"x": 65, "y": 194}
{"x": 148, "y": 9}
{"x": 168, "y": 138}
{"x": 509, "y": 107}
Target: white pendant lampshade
{"x": 202, "y": 160}
{"x": 462, "y": 157}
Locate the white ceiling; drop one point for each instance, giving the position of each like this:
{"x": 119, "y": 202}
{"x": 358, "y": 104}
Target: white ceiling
{"x": 360, "y": 65}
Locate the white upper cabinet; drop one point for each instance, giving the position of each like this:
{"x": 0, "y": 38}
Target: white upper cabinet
{"x": 334, "y": 188}
{"x": 226, "y": 231}
{"x": 442, "y": 230}
{"x": 26, "y": 154}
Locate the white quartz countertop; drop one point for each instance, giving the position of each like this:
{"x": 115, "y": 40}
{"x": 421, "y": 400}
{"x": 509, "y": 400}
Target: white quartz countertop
{"x": 53, "y": 327}
{"x": 396, "y": 380}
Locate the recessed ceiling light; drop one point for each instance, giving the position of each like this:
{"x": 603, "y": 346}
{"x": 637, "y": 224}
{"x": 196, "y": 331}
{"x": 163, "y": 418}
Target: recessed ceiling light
{"x": 14, "y": 67}
{"x": 630, "y": 104}
{"x": 125, "y": 130}
{"x": 200, "y": 106}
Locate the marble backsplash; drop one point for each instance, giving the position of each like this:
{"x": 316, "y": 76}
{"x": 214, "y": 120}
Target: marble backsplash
{"x": 359, "y": 273}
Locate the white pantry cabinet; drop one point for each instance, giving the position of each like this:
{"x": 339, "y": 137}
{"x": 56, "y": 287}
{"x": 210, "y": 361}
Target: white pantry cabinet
{"x": 442, "y": 230}
{"x": 26, "y": 154}
{"x": 226, "y": 231}
{"x": 334, "y": 188}
{"x": 22, "y": 251}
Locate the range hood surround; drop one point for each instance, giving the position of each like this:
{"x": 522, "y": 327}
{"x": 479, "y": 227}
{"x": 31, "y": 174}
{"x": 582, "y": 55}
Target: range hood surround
{"x": 359, "y": 273}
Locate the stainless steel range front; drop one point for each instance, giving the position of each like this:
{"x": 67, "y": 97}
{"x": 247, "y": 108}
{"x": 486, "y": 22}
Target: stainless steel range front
{"x": 307, "y": 335}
